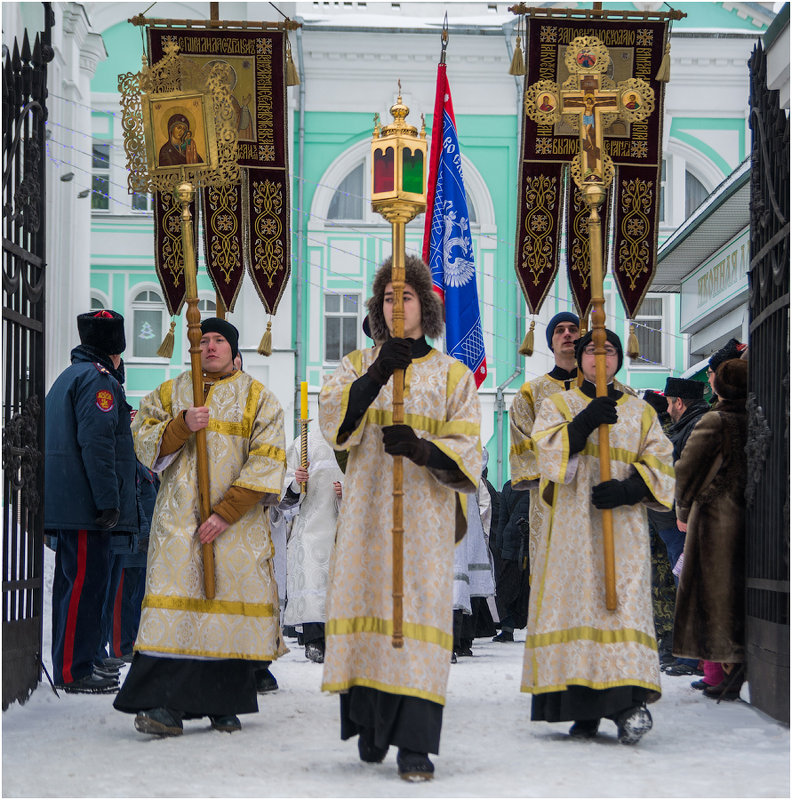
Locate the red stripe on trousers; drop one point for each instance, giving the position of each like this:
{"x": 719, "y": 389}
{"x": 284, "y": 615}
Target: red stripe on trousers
{"x": 117, "y": 617}
{"x": 74, "y": 605}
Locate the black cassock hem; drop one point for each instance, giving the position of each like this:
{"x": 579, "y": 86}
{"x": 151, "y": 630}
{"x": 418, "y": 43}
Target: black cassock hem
{"x": 396, "y": 719}
{"x": 193, "y": 687}
{"x": 581, "y": 702}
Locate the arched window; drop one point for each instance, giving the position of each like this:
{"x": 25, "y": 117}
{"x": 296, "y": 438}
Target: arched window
{"x": 347, "y": 202}
{"x": 207, "y": 307}
{"x": 148, "y": 312}
{"x": 97, "y": 302}
{"x": 695, "y": 193}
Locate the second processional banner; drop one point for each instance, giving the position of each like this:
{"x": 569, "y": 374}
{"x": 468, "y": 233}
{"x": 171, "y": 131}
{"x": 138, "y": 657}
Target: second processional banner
{"x": 636, "y": 51}
{"x": 244, "y": 226}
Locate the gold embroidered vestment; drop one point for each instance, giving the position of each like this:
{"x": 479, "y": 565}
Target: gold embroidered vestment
{"x": 245, "y": 444}
{"x": 441, "y": 405}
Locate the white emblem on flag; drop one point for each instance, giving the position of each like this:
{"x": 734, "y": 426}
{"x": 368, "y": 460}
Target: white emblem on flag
{"x": 457, "y": 256}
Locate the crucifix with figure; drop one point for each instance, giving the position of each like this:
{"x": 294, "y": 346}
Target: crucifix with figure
{"x": 589, "y": 101}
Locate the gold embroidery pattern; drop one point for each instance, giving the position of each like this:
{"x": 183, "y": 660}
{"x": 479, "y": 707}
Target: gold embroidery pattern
{"x": 172, "y": 257}
{"x": 634, "y": 254}
{"x": 224, "y": 250}
{"x": 268, "y": 251}
{"x": 541, "y": 196}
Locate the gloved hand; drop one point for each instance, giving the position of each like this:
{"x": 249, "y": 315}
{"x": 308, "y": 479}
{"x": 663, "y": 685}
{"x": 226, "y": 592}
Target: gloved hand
{"x": 400, "y": 440}
{"x": 600, "y": 411}
{"x": 394, "y": 354}
{"x": 107, "y": 518}
{"x": 613, "y": 493}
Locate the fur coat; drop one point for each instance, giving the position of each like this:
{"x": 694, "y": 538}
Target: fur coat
{"x": 709, "y": 621}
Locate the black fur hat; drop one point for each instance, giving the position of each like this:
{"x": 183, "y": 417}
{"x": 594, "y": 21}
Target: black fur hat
{"x": 684, "y": 388}
{"x": 732, "y": 349}
{"x": 102, "y": 330}
{"x": 731, "y": 380}
{"x": 417, "y": 275}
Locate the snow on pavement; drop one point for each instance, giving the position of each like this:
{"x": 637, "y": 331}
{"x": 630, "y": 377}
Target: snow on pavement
{"x": 79, "y": 746}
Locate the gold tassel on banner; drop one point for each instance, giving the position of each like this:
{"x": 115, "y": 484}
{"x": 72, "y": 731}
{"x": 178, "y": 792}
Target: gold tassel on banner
{"x": 292, "y": 78}
{"x": 664, "y": 73}
{"x": 166, "y": 348}
{"x": 527, "y": 346}
{"x": 518, "y": 62}
{"x": 633, "y": 347}
{"x": 265, "y": 346}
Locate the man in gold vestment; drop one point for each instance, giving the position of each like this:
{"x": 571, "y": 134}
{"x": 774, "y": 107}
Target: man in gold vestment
{"x": 391, "y": 696}
{"x": 562, "y": 334}
{"x": 197, "y": 657}
{"x": 583, "y": 662}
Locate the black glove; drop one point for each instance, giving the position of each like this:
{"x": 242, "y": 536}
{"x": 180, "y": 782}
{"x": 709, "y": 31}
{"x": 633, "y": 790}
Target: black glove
{"x": 612, "y": 494}
{"x": 600, "y": 411}
{"x": 400, "y": 440}
{"x": 394, "y": 354}
{"x": 107, "y": 518}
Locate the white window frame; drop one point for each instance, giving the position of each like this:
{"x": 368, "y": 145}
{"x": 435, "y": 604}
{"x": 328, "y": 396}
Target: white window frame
{"x": 144, "y": 305}
{"x": 665, "y": 350}
{"x": 341, "y": 314}
{"x": 101, "y": 172}
{"x": 100, "y": 297}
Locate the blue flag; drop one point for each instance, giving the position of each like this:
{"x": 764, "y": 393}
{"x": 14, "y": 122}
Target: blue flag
{"x": 448, "y": 247}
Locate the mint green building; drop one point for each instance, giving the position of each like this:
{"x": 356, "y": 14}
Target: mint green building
{"x": 349, "y": 59}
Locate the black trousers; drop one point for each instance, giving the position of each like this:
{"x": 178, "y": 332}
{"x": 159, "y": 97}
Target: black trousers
{"x": 410, "y": 722}
{"x": 582, "y": 703}
{"x": 79, "y": 586}
{"x": 191, "y": 687}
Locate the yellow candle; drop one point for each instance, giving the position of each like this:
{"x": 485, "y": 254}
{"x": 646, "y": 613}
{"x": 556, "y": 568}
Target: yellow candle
{"x": 304, "y": 400}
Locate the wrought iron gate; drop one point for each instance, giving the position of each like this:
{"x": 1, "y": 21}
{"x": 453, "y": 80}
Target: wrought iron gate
{"x": 24, "y": 115}
{"x": 767, "y": 493}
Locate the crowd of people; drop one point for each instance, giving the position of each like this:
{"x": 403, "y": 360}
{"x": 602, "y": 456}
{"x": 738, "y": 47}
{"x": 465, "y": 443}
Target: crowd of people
{"x": 305, "y": 549}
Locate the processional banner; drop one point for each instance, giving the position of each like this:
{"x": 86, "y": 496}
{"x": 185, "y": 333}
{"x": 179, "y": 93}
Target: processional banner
{"x": 246, "y": 226}
{"x": 635, "y": 148}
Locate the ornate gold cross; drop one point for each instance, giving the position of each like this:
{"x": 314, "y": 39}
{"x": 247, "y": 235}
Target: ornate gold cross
{"x": 589, "y": 101}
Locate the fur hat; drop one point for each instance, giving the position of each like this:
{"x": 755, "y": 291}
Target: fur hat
{"x": 731, "y": 380}
{"x": 684, "y": 388}
{"x": 417, "y": 275}
{"x": 561, "y": 316}
{"x": 732, "y": 349}
{"x": 656, "y": 401}
{"x": 102, "y": 330}
{"x": 225, "y": 329}
{"x": 610, "y": 336}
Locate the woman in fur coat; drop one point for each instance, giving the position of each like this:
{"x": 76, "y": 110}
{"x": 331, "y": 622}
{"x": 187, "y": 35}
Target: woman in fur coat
{"x": 710, "y": 501}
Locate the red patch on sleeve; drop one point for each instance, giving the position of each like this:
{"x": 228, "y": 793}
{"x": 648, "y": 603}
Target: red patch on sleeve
{"x": 104, "y": 400}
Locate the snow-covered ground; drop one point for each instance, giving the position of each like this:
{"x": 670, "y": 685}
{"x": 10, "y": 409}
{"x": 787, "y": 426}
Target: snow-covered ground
{"x": 78, "y": 746}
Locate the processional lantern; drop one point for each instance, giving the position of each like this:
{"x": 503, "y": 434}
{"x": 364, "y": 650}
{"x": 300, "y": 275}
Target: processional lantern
{"x": 398, "y": 193}
{"x": 179, "y": 134}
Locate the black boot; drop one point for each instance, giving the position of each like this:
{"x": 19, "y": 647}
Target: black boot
{"x": 632, "y": 724}
{"x": 414, "y": 766}
{"x": 584, "y": 728}
{"x": 368, "y": 751}
{"x": 160, "y": 722}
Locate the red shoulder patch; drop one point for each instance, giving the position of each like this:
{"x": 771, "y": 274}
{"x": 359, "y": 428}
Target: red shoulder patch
{"x": 104, "y": 400}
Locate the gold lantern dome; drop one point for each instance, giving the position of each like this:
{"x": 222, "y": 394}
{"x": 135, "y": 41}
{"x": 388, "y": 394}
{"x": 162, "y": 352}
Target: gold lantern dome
{"x": 398, "y": 158}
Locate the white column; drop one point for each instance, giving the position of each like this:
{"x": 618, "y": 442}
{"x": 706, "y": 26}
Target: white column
{"x": 78, "y": 50}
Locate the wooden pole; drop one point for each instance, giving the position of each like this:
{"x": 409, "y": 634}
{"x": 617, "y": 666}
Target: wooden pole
{"x": 594, "y": 195}
{"x": 397, "y": 282}
{"x": 185, "y": 191}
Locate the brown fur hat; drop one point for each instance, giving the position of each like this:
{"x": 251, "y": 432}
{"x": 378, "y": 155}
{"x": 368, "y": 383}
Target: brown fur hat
{"x": 731, "y": 380}
{"x": 417, "y": 274}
